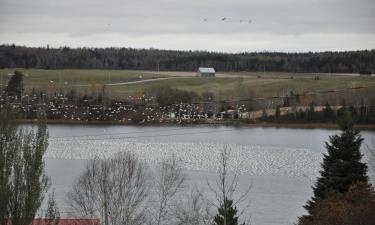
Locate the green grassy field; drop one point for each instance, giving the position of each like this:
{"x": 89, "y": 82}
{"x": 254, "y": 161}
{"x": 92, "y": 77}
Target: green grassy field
{"x": 226, "y": 84}
{"x": 37, "y": 77}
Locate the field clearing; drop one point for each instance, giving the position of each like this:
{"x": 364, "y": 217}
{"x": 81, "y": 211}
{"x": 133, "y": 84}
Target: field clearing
{"x": 39, "y": 77}
{"x": 288, "y": 74}
{"x": 120, "y": 83}
{"x": 239, "y": 87}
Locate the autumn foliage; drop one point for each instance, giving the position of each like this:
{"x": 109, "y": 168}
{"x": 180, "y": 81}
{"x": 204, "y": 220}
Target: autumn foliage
{"x": 357, "y": 207}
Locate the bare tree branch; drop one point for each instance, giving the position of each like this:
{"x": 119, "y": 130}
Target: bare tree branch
{"x": 194, "y": 210}
{"x": 115, "y": 190}
{"x": 170, "y": 179}
{"x": 227, "y": 185}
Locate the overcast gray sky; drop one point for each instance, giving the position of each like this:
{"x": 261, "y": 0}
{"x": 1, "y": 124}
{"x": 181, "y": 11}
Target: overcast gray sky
{"x": 276, "y": 25}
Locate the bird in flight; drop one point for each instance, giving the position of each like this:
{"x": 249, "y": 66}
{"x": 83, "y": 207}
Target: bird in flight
{"x": 226, "y": 19}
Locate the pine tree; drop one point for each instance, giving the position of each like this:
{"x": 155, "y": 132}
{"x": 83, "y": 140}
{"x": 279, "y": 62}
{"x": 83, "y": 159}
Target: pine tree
{"x": 328, "y": 112}
{"x": 342, "y": 166}
{"x": 227, "y": 214}
{"x": 15, "y": 85}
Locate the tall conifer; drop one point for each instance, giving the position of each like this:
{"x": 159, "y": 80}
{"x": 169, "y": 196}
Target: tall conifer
{"x": 341, "y": 165}
{"x": 227, "y": 214}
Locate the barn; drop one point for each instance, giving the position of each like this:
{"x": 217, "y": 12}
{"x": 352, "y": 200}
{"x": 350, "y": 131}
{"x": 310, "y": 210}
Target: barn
{"x": 206, "y": 72}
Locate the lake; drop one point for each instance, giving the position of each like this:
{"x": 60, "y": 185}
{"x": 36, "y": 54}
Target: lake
{"x": 280, "y": 164}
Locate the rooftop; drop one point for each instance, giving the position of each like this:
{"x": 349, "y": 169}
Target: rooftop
{"x": 206, "y": 70}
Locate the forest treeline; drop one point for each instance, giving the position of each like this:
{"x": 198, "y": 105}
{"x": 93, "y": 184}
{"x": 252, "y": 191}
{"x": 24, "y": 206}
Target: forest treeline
{"x": 12, "y": 56}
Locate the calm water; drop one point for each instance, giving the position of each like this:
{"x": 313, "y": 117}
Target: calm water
{"x": 281, "y": 164}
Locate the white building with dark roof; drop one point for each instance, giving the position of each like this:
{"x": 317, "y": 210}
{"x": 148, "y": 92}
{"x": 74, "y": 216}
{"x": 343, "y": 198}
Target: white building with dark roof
{"x": 206, "y": 72}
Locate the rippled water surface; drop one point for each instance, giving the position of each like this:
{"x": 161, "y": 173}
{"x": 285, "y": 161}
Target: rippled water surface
{"x": 281, "y": 164}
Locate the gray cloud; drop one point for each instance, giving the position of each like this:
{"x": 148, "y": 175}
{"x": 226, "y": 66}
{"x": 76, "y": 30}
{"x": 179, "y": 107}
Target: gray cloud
{"x": 286, "y": 25}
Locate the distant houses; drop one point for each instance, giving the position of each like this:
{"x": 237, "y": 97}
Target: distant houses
{"x": 206, "y": 72}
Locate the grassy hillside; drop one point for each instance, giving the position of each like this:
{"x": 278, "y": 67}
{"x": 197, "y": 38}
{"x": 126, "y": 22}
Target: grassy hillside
{"x": 226, "y": 84}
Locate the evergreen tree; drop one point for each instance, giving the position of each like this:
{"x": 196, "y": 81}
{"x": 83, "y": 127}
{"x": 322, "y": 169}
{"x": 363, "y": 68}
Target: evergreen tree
{"x": 15, "y": 85}
{"x": 363, "y": 112}
{"x": 342, "y": 111}
{"x": 12, "y": 56}
{"x": 277, "y": 112}
{"x": 328, "y": 112}
{"x": 301, "y": 114}
{"x": 227, "y": 214}
{"x": 341, "y": 166}
{"x": 311, "y": 112}
{"x": 353, "y": 111}
{"x": 264, "y": 114}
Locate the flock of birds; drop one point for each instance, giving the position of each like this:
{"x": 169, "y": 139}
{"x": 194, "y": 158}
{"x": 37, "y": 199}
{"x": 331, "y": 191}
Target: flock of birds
{"x": 223, "y": 19}
{"x": 198, "y": 156}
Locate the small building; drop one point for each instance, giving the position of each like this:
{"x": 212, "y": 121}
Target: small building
{"x": 227, "y": 114}
{"x": 206, "y": 72}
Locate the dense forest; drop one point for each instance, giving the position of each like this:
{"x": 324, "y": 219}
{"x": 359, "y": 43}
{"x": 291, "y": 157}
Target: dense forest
{"x": 12, "y": 56}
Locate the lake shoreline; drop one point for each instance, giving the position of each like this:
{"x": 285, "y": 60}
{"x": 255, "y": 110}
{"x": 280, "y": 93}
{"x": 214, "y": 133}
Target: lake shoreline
{"x": 217, "y": 123}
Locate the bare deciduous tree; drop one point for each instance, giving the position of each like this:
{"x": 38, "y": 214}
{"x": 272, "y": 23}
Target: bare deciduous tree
{"x": 193, "y": 210}
{"x": 226, "y": 185}
{"x": 169, "y": 181}
{"x": 115, "y": 190}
